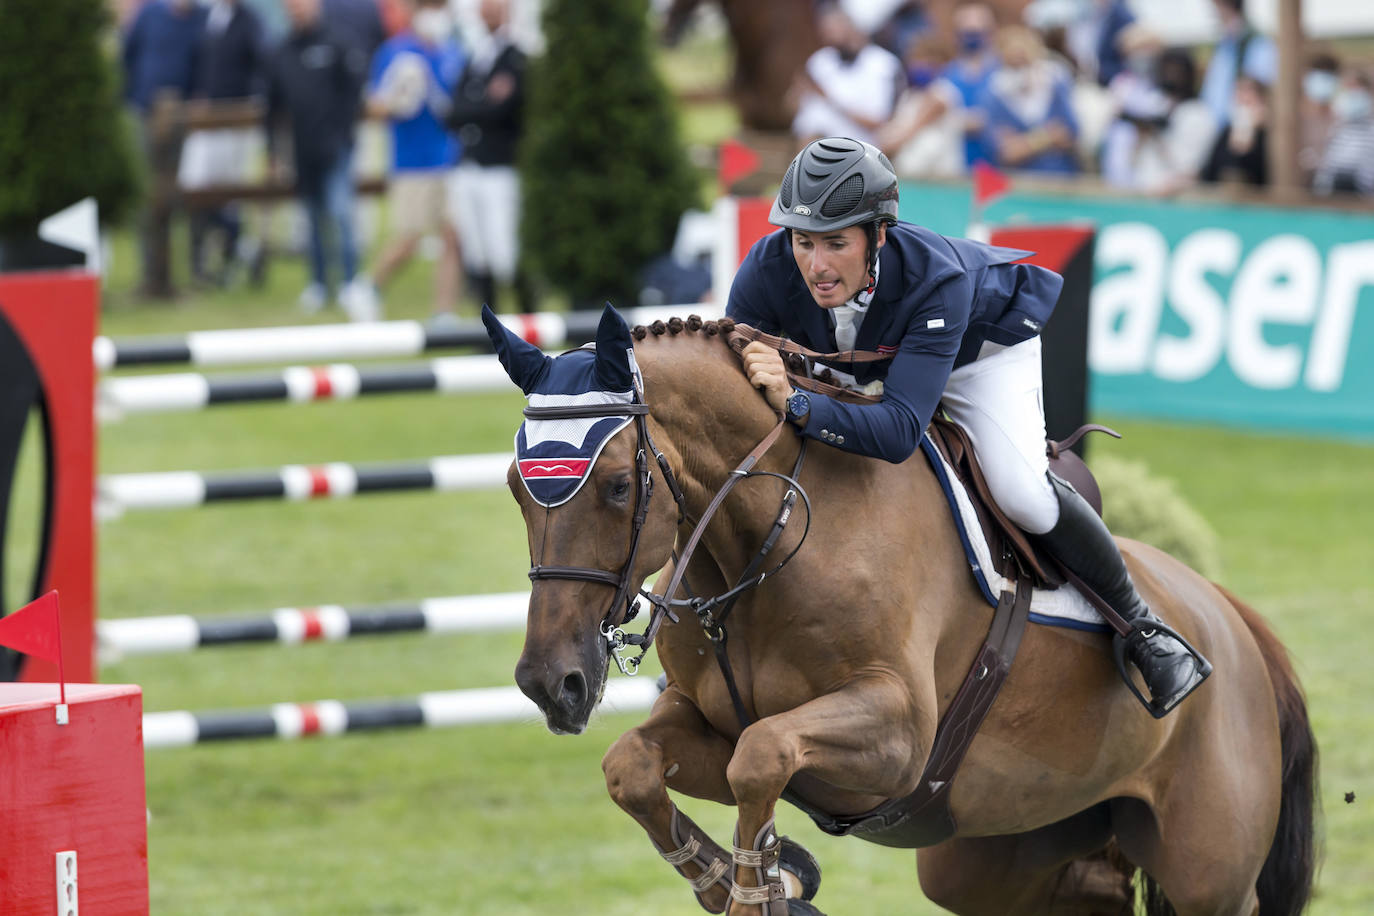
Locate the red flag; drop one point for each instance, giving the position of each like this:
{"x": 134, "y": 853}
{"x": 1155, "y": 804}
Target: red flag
{"x": 35, "y": 629}
{"x": 736, "y": 161}
{"x": 988, "y": 183}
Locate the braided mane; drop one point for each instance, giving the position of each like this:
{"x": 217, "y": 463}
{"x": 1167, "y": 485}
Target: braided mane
{"x": 693, "y": 324}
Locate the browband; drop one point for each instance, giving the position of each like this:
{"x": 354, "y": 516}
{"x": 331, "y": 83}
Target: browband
{"x": 585, "y": 411}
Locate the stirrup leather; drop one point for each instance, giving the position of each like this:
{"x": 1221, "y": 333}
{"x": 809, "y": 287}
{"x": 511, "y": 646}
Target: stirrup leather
{"x": 1143, "y": 628}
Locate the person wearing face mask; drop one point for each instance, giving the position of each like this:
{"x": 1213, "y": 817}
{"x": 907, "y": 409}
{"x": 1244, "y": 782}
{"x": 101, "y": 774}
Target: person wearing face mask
{"x": 1163, "y": 135}
{"x": 1319, "y": 84}
{"x": 412, "y": 77}
{"x": 1240, "y": 154}
{"x": 1348, "y": 162}
{"x": 925, "y": 138}
{"x": 849, "y": 86}
{"x": 487, "y": 114}
{"x": 970, "y": 71}
{"x": 1031, "y": 125}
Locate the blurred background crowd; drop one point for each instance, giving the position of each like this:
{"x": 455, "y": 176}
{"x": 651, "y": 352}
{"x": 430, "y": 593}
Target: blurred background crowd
{"x": 1080, "y": 86}
{"x": 242, "y": 105}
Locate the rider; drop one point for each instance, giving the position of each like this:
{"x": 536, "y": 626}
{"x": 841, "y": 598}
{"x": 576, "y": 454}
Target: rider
{"x": 963, "y": 321}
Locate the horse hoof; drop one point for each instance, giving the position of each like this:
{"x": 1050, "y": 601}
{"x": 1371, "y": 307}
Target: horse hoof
{"x": 794, "y": 858}
{"x": 797, "y": 907}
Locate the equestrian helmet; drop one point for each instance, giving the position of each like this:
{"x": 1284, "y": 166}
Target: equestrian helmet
{"x": 833, "y": 183}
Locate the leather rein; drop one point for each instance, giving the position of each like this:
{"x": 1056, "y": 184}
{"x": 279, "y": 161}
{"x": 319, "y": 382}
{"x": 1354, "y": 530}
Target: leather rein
{"x": 711, "y": 612}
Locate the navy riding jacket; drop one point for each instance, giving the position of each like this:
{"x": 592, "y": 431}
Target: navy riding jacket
{"x": 937, "y": 302}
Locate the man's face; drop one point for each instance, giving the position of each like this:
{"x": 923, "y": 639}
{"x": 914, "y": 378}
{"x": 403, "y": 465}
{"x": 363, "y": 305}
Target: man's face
{"x": 834, "y": 264}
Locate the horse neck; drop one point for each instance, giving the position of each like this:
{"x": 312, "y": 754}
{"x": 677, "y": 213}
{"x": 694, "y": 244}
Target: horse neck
{"x": 711, "y": 418}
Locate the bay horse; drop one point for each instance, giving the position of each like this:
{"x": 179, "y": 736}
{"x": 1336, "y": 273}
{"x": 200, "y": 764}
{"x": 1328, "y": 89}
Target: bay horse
{"x": 846, "y": 660}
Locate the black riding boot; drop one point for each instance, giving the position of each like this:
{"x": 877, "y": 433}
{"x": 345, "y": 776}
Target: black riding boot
{"x": 1172, "y": 669}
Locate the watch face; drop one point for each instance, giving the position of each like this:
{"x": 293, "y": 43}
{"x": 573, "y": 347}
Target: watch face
{"x": 798, "y": 405}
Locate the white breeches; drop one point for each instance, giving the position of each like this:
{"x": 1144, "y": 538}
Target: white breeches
{"x": 998, "y": 401}
{"x": 485, "y": 203}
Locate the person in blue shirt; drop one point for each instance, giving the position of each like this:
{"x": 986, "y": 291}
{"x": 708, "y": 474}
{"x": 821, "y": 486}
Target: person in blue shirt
{"x": 411, "y": 82}
{"x": 962, "y": 320}
{"x": 970, "y": 71}
{"x": 1239, "y": 52}
{"x": 1028, "y": 109}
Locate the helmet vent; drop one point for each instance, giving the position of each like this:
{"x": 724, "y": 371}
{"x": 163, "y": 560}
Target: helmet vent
{"x": 845, "y": 197}
{"x": 785, "y": 192}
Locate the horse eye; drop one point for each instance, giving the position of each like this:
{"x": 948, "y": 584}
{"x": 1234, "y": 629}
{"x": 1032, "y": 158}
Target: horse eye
{"x": 619, "y": 489}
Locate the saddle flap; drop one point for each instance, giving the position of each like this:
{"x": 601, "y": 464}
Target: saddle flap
{"x": 1012, "y": 551}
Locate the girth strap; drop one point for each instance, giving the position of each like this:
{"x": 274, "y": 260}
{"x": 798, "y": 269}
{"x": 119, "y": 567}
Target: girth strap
{"x": 923, "y": 818}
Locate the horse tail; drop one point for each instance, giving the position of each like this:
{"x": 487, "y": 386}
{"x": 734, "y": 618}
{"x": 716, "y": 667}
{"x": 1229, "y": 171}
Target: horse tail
{"x": 1285, "y": 881}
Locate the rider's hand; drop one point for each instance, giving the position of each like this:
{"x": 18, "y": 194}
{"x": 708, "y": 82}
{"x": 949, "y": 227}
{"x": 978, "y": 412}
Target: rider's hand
{"x": 765, "y": 370}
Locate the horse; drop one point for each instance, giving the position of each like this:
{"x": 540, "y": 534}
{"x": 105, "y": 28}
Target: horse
{"x": 772, "y": 40}
{"x": 845, "y": 661}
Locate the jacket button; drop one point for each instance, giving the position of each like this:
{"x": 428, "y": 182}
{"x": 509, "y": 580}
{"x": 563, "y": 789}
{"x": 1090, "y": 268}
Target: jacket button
{"x": 839, "y": 440}
{"x": 825, "y": 434}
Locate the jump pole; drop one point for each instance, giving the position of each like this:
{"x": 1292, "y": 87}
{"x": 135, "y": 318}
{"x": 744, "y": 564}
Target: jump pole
{"x": 118, "y": 493}
{"x": 444, "y": 709}
{"x": 293, "y": 626}
{"x": 120, "y": 396}
{"x": 379, "y": 339}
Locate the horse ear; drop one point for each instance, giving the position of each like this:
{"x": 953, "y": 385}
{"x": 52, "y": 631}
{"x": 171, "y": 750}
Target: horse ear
{"x": 613, "y": 346}
{"x": 523, "y": 361}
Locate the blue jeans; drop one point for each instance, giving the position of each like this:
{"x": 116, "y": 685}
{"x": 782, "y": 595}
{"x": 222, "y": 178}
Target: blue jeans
{"x": 328, "y": 195}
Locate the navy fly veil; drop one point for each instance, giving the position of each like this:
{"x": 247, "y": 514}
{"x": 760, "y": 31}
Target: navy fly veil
{"x": 555, "y": 457}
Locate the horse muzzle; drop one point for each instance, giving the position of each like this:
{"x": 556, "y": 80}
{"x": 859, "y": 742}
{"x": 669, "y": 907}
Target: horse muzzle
{"x": 566, "y": 695}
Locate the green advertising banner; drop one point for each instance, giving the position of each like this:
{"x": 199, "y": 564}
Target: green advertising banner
{"x": 1228, "y": 313}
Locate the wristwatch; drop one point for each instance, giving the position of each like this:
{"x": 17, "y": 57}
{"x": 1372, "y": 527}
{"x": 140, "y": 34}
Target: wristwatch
{"x": 798, "y": 406}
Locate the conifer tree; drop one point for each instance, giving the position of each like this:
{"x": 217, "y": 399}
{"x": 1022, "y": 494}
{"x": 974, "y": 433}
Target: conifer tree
{"x": 63, "y": 135}
{"x": 605, "y": 175}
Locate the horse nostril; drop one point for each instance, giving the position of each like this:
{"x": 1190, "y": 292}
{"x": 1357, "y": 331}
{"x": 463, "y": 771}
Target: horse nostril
{"x": 574, "y": 691}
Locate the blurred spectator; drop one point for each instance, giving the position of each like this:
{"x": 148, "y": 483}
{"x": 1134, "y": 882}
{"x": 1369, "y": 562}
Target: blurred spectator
{"x": 925, "y": 137}
{"x": 1348, "y": 163}
{"x": 488, "y": 117}
{"x": 1241, "y": 51}
{"x": 907, "y": 23}
{"x": 1110, "y": 20}
{"x": 357, "y": 23}
{"x": 849, "y": 86}
{"x": 1319, "y": 85}
{"x": 970, "y": 71}
{"x": 412, "y": 76}
{"x": 1240, "y": 152}
{"x": 160, "y": 51}
{"x": 1053, "y": 21}
{"x": 315, "y": 81}
{"x": 1164, "y": 134}
{"x": 1030, "y": 120}
{"x": 159, "y": 56}
{"x": 228, "y": 66}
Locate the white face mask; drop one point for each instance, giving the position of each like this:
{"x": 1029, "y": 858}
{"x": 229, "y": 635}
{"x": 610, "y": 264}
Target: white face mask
{"x": 1351, "y": 105}
{"x": 1319, "y": 85}
{"x": 432, "y": 25}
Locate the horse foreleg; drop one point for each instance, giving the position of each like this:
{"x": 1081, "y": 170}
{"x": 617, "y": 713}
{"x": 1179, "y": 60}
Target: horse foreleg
{"x": 860, "y": 738}
{"x": 675, "y": 747}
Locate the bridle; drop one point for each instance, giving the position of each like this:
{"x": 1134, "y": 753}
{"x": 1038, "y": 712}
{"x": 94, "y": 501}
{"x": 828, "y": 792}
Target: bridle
{"x": 623, "y": 604}
{"x": 711, "y": 612}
